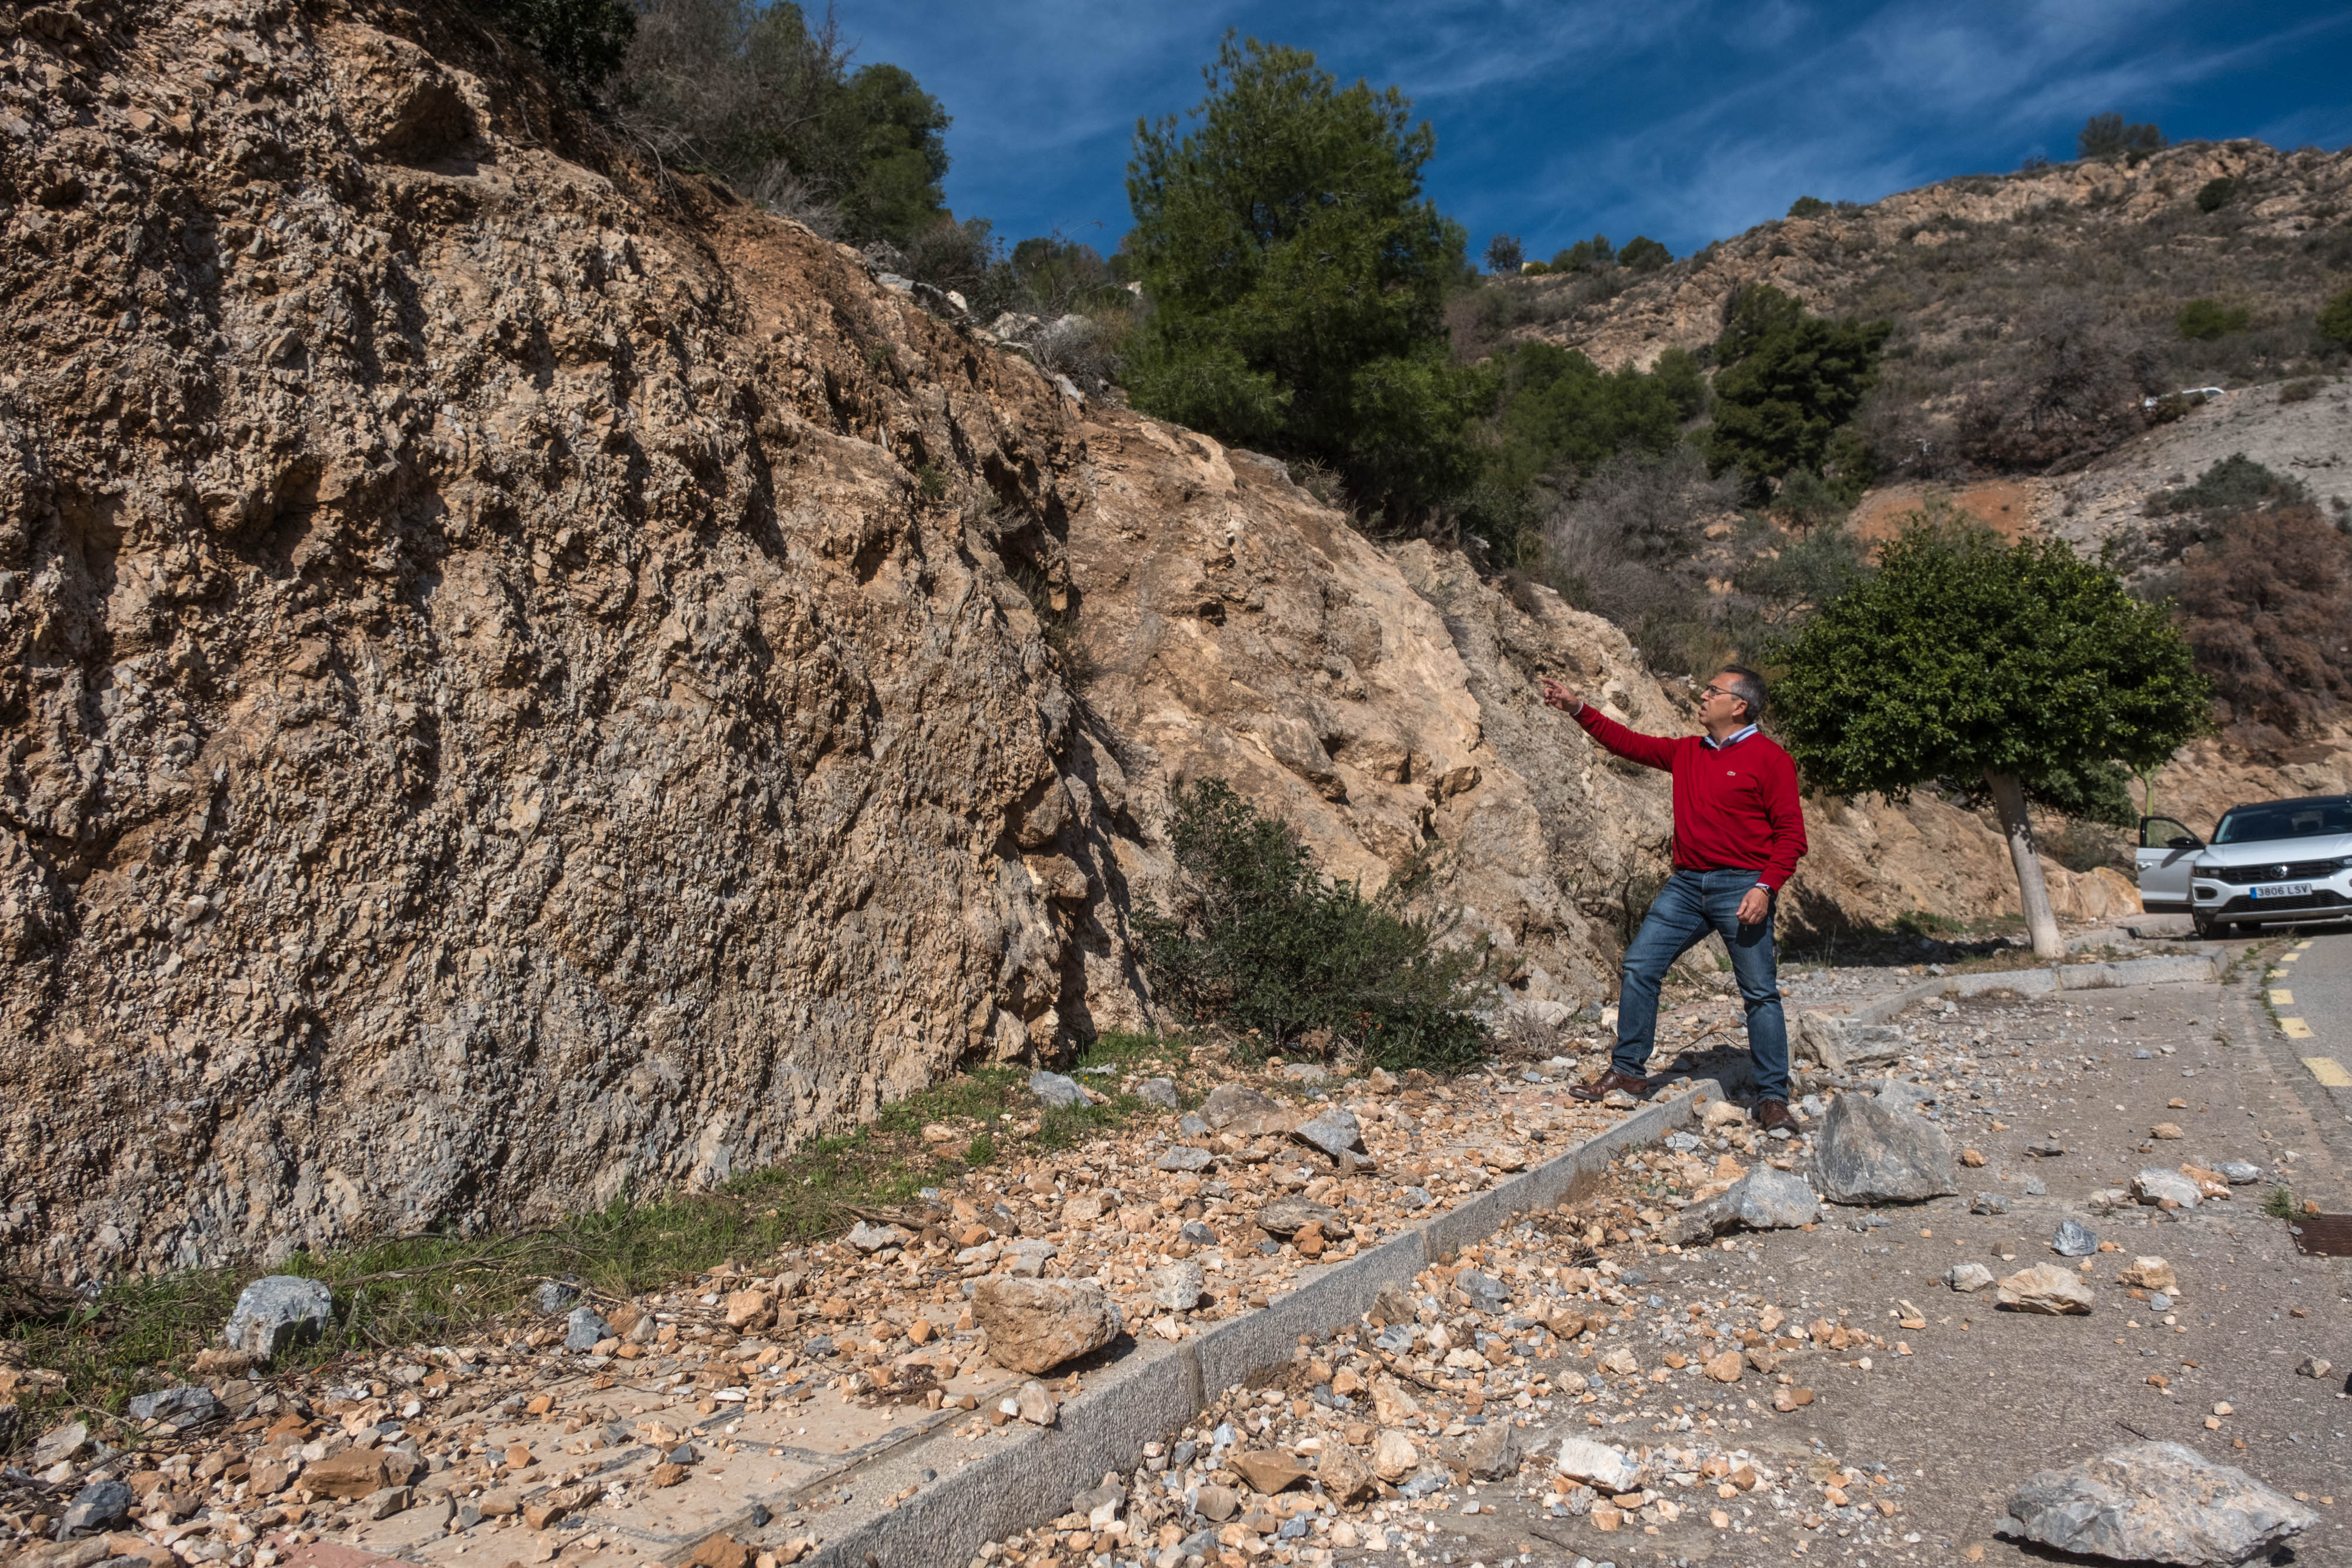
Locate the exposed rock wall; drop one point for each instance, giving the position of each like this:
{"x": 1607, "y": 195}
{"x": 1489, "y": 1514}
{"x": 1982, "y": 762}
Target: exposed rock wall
{"x": 506, "y": 696}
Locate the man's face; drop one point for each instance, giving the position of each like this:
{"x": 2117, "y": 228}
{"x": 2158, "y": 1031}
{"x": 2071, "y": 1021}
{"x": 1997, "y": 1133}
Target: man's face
{"x": 1718, "y": 701}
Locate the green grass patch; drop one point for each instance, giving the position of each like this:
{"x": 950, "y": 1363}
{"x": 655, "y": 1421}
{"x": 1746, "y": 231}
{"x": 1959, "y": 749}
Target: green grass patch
{"x": 145, "y": 1331}
{"x": 2280, "y": 1204}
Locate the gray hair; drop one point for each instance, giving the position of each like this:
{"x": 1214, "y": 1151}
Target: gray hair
{"x": 1749, "y": 687}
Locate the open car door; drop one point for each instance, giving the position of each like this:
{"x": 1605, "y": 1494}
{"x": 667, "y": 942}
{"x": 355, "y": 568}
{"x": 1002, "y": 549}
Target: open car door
{"x": 2167, "y": 850}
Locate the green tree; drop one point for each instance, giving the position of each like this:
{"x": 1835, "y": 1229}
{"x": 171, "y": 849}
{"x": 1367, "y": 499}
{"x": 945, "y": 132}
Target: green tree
{"x": 2216, "y": 194}
{"x": 756, "y": 95}
{"x": 1642, "y": 254}
{"x": 2336, "y": 319}
{"x": 2201, "y": 320}
{"x": 2107, "y": 136}
{"x": 1789, "y": 380}
{"x": 582, "y": 42}
{"x": 1504, "y": 255}
{"x": 1296, "y": 276}
{"x": 1594, "y": 252}
{"x": 2019, "y": 672}
{"x": 1808, "y": 207}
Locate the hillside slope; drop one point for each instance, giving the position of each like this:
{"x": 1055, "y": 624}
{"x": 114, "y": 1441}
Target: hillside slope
{"x": 519, "y": 691}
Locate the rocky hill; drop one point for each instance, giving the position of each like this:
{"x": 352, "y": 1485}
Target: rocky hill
{"x": 525, "y": 684}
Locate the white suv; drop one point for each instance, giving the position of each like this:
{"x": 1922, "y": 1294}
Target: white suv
{"x": 2278, "y": 863}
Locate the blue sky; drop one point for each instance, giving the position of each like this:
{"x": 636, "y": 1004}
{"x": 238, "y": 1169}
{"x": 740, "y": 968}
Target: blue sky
{"x": 1684, "y": 120}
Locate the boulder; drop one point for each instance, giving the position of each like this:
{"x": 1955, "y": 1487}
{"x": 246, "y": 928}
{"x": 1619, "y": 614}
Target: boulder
{"x": 1054, "y": 1091}
{"x": 2046, "y": 1290}
{"x": 353, "y": 1473}
{"x": 1217, "y": 1503}
{"x": 1597, "y": 1465}
{"x": 1036, "y": 1325}
{"x": 1724, "y": 1368}
{"x": 1392, "y": 1405}
{"x": 2238, "y": 1173}
{"x": 554, "y": 1296}
{"x": 1177, "y": 1287}
{"x": 1334, "y": 1132}
{"x": 1393, "y": 1454}
{"x": 1345, "y": 1475}
{"x": 1267, "y": 1470}
{"x": 1184, "y": 1158}
{"x": 64, "y": 1441}
{"x": 1160, "y": 1092}
{"x": 278, "y": 1311}
{"x": 180, "y": 1408}
{"x": 2151, "y": 1274}
{"x": 870, "y": 1237}
{"x": 2157, "y": 1503}
{"x": 1487, "y": 1293}
{"x": 1839, "y": 1045}
{"x": 1494, "y": 1452}
{"x": 2156, "y": 1185}
{"x": 1968, "y": 1277}
{"x": 583, "y": 1329}
{"x": 1244, "y": 1113}
{"x": 1869, "y": 1152}
{"x": 1027, "y": 1258}
{"x": 2075, "y": 1239}
{"x": 1035, "y": 1404}
{"x": 102, "y": 1503}
{"x": 1287, "y": 1216}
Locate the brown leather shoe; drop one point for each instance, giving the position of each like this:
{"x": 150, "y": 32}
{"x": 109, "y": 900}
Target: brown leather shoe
{"x": 1609, "y": 1082}
{"x": 1773, "y": 1117}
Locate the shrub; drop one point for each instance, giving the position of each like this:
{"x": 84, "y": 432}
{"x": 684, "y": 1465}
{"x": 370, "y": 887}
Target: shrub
{"x": 1619, "y": 546}
{"x": 2302, "y": 389}
{"x": 1257, "y": 938}
{"x": 2106, "y": 135}
{"x": 2237, "y": 483}
{"x": 582, "y": 42}
{"x": 1585, "y": 254}
{"x": 2335, "y": 322}
{"x": 1643, "y": 255}
{"x": 2073, "y": 393}
{"x": 2216, "y": 194}
{"x": 1296, "y": 277}
{"x": 1808, "y": 207}
{"x": 2267, "y": 605}
{"x": 753, "y": 94}
{"x": 1504, "y": 255}
{"x": 2201, "y": 320}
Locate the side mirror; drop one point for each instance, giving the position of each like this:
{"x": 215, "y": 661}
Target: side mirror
{"x": 2184, "y": 842}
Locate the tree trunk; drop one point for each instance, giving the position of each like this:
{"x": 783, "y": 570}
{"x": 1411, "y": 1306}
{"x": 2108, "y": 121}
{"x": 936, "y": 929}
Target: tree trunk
{"x": 2008, "y": 800}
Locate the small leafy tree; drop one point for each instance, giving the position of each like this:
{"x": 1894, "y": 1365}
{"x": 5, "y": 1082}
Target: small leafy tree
{"x": 2336, "y": 319}
{"x": 1808, "y": 207}
{"x": 1596, "y": 252}
{"x": 2017, "y": 673}
{"x": 2216, "y": 194}
{"x": 1642, "y": 254}
{"x": 1256, "y": 938}
{"x": 1296, "y": 276}
{"x": 1504, "y": 255}
{"x": 2107, "y": 136}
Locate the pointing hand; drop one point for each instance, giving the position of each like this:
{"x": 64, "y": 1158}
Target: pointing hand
{"x": 1560, "y": 696}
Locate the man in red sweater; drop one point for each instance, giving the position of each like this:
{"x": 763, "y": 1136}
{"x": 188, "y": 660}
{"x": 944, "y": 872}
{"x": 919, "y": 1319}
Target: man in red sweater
{"x": 1738, "y": 832}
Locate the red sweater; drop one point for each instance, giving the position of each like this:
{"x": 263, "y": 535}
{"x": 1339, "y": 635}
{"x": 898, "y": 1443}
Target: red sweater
{"x": 1736, "y": 807}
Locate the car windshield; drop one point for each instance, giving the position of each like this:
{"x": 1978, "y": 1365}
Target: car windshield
{"x": 2284, "y": 820}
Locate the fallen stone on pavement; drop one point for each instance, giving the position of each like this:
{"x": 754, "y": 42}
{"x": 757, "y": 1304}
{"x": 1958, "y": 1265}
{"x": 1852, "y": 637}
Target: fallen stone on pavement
{"x": 1968, "y": 1277}
{"x": 2046, "y": 1290}
{"x": 1597, "y": 1465}
{"x": 276, "y": 1312}
{"x": 1869, "y": 1152}
{"x": 2160, "y": 1502}
{"x": 2074, "y": 1239}
{"x": 2151, "y": 1274}
{"x": 1034, "y": 1325}
{"x": 2159, "y": 1187}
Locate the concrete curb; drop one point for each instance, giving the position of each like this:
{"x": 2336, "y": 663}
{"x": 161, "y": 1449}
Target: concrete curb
{"x": 2166, "y": 971}
{"x": 1156, "y": 1390}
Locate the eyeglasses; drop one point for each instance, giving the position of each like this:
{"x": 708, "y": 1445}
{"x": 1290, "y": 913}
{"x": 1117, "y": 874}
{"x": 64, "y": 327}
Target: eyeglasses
{"x": 1715, "y": 691}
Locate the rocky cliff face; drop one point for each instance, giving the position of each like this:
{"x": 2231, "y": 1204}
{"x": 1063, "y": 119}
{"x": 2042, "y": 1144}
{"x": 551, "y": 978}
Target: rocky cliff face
{"x": 519, "y": 686}
{"x": 507, "y": 695}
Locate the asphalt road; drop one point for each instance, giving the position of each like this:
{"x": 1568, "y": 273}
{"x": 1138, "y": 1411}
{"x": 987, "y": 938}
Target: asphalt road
{"x": 2307, "y": 1043}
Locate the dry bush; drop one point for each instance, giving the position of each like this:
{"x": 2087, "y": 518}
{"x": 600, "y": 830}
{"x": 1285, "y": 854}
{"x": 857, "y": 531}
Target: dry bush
{"x": 2267, "y": 605}
{"x": 1618, "y": 546}
{"x": 2073, "y": 396}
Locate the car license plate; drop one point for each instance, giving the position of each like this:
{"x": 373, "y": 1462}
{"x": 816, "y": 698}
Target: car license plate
{"x": 2283, "y": 890}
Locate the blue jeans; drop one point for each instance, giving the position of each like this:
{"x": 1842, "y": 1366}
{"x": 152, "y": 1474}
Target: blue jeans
{"x": 1690, "y": 904}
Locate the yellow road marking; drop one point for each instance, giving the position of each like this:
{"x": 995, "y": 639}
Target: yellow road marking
{"x": 2304, "y": 943}
{"x": 2295, "y": 1029}
{"x": 2329, "y": 1072}
{"x": 2290, "y": 958}
{"x": 2281, "y": 999}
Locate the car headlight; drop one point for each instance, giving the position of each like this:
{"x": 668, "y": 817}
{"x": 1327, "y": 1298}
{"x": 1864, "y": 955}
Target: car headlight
{"x": 2202, "y": 870}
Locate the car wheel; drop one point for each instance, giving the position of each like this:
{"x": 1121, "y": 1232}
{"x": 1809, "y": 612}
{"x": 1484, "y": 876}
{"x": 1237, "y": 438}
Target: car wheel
{"x": 2208, "y": 928}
